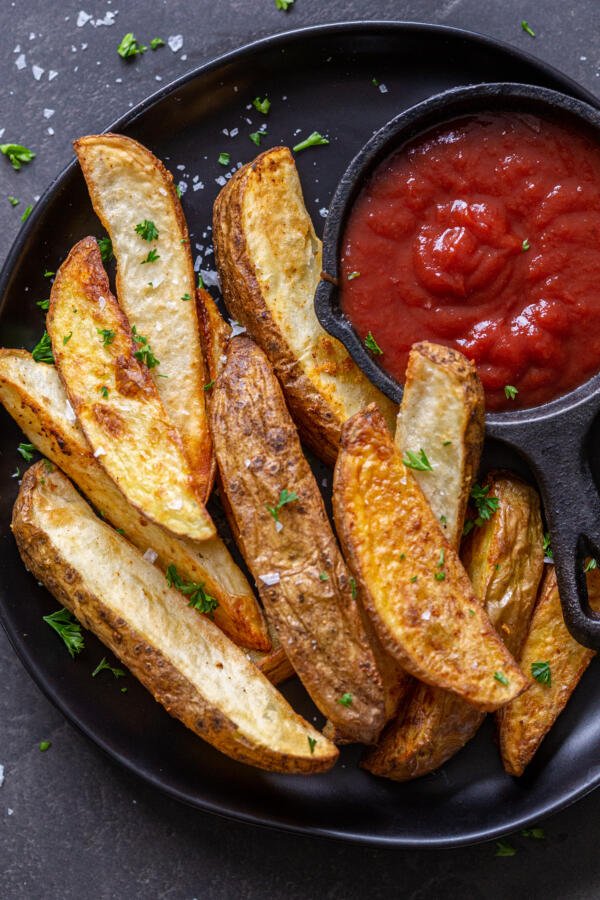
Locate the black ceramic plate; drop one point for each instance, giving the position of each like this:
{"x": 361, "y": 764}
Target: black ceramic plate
{"x": 316, "y": 79}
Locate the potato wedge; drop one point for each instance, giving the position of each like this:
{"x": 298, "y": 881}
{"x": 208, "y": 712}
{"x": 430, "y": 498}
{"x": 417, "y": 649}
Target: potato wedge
{"x": 214, "y": 334}
{"x": 269, "y": 261}
{"x": 187, "y": 664}
{"x": 33, "y": 395}
{"x": 115, "y": 399}
{"x": 525, "y": 722}
{"x": 128, "y": 185}
{"x": 415, "y": 588}
{"x": 274, "y": 663}
{"x": 291, "y": 551}
{"x": 442, "y": 413}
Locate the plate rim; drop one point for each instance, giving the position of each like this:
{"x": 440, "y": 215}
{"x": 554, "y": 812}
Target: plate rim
{"x": 48, "y": 688}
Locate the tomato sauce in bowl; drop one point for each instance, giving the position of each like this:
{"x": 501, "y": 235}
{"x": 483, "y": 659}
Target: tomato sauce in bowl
{"x": 484, "y": 235}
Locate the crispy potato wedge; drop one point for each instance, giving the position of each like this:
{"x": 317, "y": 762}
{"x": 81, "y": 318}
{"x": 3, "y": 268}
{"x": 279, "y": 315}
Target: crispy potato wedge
{"x": 443, "y": 413}
{"x": 129, "y": 185}
{"x": 214, "y": 334}
{"x": 115, "y": 399}
{"x": 504, "y": 560}
{"x": 33, "y": 395}
{"x": 269, "y": 261}
{"x": 187, "y": 664}
{"x": 274, "y": 663}
{"x": 302, "y": 579}
{"x": 415, "y": 588}
{"x": 524, "y": 723}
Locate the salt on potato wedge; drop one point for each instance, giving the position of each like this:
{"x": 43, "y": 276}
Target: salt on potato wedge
{"x": 33, "y": 395}
{"x": 414, "y": 586}
{"x": 524, "y": 723}
{"x": 443, "y": 413}
{"x": 504, "y": 561}
{"x": 128, "y": 186}
{"x": 115, "y": 399}
{"x": 290, "y": 548}
{"x": 269, "y": 261}
{"x": 187, "y": 664}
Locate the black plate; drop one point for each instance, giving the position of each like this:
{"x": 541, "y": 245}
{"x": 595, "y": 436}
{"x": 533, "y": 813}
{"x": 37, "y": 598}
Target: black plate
{"x": 325, "y": 75}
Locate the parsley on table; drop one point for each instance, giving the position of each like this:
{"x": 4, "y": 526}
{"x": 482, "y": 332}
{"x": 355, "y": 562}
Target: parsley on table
{"x": 262, "y": 106}
{"x": 312, "y": 742}
{"x": 501, "y": 677}
{"x": 345, "y": 699}
{"x": 375, "y": 82}
{"x": 372, "y": 345}
{"x": 17, "y": 155}
{"x": 42, "y": 352}
{"x": 541, "y": 672}
{"x": 48, "y": 273}
{"x": 224, "y": 158}
{"x": 152, "y": 256}
{"x": 129, "y": 46}
{"x": 199, "y": 598}
{"x": 147, "y": 230}
{"x": 26, "y": 213}
{"x": 45, "y": 745}
{"x": 156, "y": 42}
{"x": 26, "y": 451}
{"x": 144, "y": 354}
{"x": 13, "y": 201}
{"x": 107, "y": 335}
{"x": 106, "y": 249}
{"x": 257, "y": 136}
{"x": 503, "y": 848}
{"x": 283, "y": 4}
{"x": 537, "y": 834}
{"x": 69, "y": 629}
{"x": 285, "y": 497}
{"x": 525, "y": 245}
{"x": 527, "y": 28}
{"x": 510, "y": 392}
{"x": 417, "y": 461}
{"x": 313, "y": 140}
{"x": 118, "y": 673}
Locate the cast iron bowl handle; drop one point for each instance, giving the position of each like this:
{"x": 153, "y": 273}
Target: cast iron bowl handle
{"x": 555, "y": 446}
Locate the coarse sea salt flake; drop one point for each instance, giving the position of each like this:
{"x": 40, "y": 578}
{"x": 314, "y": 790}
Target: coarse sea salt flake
{"x": 198, "y": 186}
{"x": 247, "y": 462}
{"x": 82, "y": 18}
{"x": 20, "y": 61}
{"x": 52, "y": 75}
{"x": 383, "y": 89}
{"x": 101, "y": 301}
{"x": 278, "y": 526}
{"x": 50, "y": 130}
{"x": 69, "y": 412}
{"x": 236, "y": 328}
{"x": 175, "y": 504}
{"x": 175, "y": 42}
{"x": 150, "y": 555}
{"x": 324, "y": 212}
{"x": 221, "y": 181}
{"x": 210, "y": 278}
{"x": 48, "y": 113}
{"x": 426, "y": 615}
{"x": 99, "y": 452}
{"x": 270, "y": 578}
{"x": 182, "y": 187}
{"x": 1, "y": 775}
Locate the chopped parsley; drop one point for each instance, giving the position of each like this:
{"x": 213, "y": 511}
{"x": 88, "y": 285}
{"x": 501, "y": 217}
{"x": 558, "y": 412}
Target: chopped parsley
{"x": 13, "y": 201}
{"x": 69, "y": 629}
{"x": 201, "y": 281}
{"x": 527, "y": 28}
{"x": 152, "y": 256}
{"x": 537, "y": 834}
{"x": 129, "y": 46}
{"x": 413, "y": 579}
{"x": 107, "y": 335}
{"x": 353, "y": 275}
{"x": 42, "y": 352}
{"x": 285, "y": 497}
{"x": 323, "y": 576}
{"x": 209, "y": 385}
{"x": 118, "y": 673}
{"x": 16, "y": 473}
{"x": 417, "y": 461}
{"x": 375, "y": 82}
{"x": 224, "y": 158}
{"x": 106, "y": 249}
{"x": 525, "y": 245}
{"x": 312, "y": 742}
{"x": 17, "y": 155}
{"x": 547, "y": 546}
{"x": 503, "y": 848}
{"x": 353, "y": 588}
{"x": 26, "y": 451}
{"x": 485, "y": 505}
{"x": 45, "y": 745}
{"x": 345, "y": 699}
{"x": 313, "y": 140}
{"x": 262, "y": 106}
{"x": 257, "y": 136}
{"x": 178, "y": 191}
{"x": 156, "y": 42}
{"x": 372, "y": 345}
{"x": 510, "y": 392}
{"x": 283, "y": 4}
{"x": 144, "y": 354}
{"x": 67, "y": 338}
{"x": 186, "y": 296}
{"x": 48, "y": 273}
{"x": 443, "y": 520}
{"x": 440, "y": 576}
{"x": 198, "y": 598}
{"x": 541, "y": 672}
{"x": 501, "y": 677}
{"x": 147, "y": 230}
{"x": 592, "y": 564}
{"x": 104, "y": 391}
{"x": 26, "y": 213}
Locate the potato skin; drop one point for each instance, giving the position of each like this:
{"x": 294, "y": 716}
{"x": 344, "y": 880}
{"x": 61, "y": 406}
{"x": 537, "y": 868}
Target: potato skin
{"x": 193, "y": 670}
{"x": 524, "y": 723}
{"x": 432, "y": 625}
{"x": 269, "y": 261}
{"x": 317, "y": 619}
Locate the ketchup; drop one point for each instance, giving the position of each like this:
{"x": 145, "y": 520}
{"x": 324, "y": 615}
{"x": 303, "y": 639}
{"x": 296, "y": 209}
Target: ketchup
{"x": 483, "y": 235}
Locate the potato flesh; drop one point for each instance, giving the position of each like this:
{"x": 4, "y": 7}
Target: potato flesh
{"x": 189, "y": 666}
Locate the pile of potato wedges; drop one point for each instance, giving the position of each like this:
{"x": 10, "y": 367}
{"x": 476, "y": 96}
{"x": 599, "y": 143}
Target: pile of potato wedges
{"x": 427, "y": 601}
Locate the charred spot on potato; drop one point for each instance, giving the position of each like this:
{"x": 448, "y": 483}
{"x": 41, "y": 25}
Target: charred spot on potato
{"x": 129, "y": 378}
{"x": 108, "y": 419}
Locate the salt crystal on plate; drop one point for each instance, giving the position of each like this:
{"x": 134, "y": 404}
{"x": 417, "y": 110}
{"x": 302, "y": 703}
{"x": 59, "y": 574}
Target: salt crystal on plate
{"x": 50, "y": 130}
{"x": 20, "y": 61}
{"x": 175, "y": 42}
{"x": 37, "y": 72}
{"x": 210, "y": 278}
{"x": 383, "y": 89}
{"x": 52, "y": 74}
{"x": 1, "y": 775}
{"x": 48, "y": 113}
{"x": 82, "y": 18}
{"x": 323, "y": 212}
{"x": 221, "y": 181}
{"x": 270, "y": 578}
{"x": 182, "y": 187}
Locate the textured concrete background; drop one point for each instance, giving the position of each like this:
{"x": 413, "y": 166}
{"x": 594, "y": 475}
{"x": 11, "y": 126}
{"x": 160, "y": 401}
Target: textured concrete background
{"x": 72, "y": 824}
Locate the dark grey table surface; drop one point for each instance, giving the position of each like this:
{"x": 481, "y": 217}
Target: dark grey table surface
{"x": 72, "y": 823}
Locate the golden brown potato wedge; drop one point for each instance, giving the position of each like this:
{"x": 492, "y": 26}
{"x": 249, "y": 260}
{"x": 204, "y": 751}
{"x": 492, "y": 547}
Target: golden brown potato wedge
{"x": 504, "y": 560}
{"x": 186, "y": 663}
{"x": 415, "y": 588}
{"x": 442, "y": 413}
{"x": 269, "y": 261}
{"x": 287, "y": 542}
{"x": 214, "y": 334}
{"x": 33, "y": 395}
{"x": 524, "y": 723}
{"x": 115, "y": 399}
{"x": 129, "y": 188}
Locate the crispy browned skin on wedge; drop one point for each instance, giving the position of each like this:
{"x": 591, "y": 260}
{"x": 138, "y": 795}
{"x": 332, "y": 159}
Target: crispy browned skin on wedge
{"x": 504, "y": 560}
{"x": 302, "y": 578}
{"x": 127, "y": 186}
{"x": 115, "y": 399}
{"x": 33, "y": 394}
{"x": 413, "y": 583}
{"x": 269, "y": 260}
{"x": 187, "y": 664}
{"x": 525, "y": 722}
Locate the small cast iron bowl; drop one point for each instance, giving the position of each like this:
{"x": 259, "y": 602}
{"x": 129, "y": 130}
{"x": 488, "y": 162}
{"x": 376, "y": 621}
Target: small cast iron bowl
{"x": 553, "y": 438}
